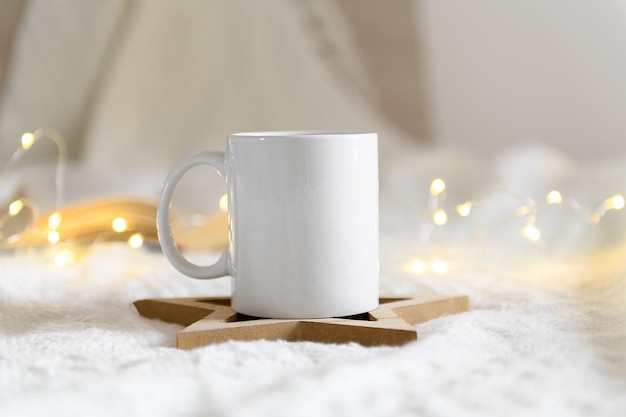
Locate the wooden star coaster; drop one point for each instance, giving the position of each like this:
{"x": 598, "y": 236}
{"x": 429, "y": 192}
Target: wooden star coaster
{"x": 211, "y": 320}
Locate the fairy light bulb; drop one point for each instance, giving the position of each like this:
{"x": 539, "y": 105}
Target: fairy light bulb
{"x": 66, "y": 256}
{"x": 554, "y": 197}
{"x": 618, "y": 202}
{"x": 417, "y": 266}
{"x": 60, "y": 260}
{"x": 53, "y": 237}
{"x": 16, "y": 207}
{"x": 464, "y": 209}
{"x": 438, "y": 186}
{"x": 136, "y": 241}
{"x": 223, "y": 203}
{"x": 615, "y": 202}
{"x": 438, "y": 266}
{"x": 119, "y": 224}
{"x": 54, "y": 221}
{"x": 440, "y": 217}
{"x": 28, "y": 139}
{"x": 531, "y": 233}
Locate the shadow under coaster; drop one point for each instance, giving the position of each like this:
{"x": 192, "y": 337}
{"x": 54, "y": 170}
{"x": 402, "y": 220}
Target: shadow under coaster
{"x": 212, "y": 320}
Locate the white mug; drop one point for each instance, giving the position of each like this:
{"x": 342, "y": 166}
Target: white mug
{"x": 303, "y": 223}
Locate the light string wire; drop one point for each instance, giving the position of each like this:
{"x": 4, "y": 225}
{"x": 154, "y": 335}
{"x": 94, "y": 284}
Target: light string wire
{"x": 437, "y": 216}
{"x": 119, "y": 226}
{"x": 29, "y": 139}
{"x": 54, "y": 221}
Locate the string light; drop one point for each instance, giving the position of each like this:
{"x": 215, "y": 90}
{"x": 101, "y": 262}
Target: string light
{"x": 119, "y": 224}
{"x": 53, "y": 237}
{"x": 417, "y": 265}
{"x": 17, "y": 230}
{"x": 529, "y": 210}
{"x": 554, "y": 197}
{"x": 464, "y": 209}
{"x": 437, "y": 186}
{"x": 54, "y": 220}
{"x": 438, "y": 266}
{"x": 531, "y": 233}
{"x": 615, "y": 202}
{"x": 440, "y": 217}
{"x": 136, "y": 241}
{"x": 436, "y": 209}
{"x": 28, "y": 139}
{"x": 65, "y": 257}
{"x": 223, "y": 203}
{"x": 16, "y": 207}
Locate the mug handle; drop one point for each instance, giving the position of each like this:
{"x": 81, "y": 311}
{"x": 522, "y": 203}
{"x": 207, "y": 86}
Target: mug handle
{"x": 164, "y": 226}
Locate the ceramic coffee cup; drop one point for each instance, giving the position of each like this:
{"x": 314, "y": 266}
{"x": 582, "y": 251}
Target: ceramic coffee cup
{"x": 303, "y": 222}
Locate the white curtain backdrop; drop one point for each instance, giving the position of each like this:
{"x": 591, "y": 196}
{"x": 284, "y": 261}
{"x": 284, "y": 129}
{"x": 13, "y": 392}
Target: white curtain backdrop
{"x": 141, "y": 83}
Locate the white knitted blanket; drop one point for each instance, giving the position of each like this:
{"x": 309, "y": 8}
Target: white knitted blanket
{"x": 545, "y": 336}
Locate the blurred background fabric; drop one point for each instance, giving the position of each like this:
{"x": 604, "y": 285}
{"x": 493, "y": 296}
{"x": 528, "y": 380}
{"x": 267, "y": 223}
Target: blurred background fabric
{"x": 122, "y": 77}
{"x": 134, "y": 85}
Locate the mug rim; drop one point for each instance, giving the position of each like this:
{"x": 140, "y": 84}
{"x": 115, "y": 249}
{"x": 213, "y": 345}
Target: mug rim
{"x": 299, "y": 134}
